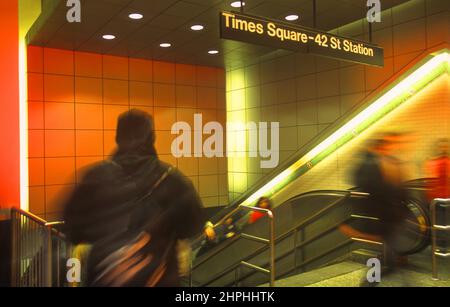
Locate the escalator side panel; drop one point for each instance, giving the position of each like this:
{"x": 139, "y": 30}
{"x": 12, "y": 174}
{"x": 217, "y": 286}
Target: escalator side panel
{"x": 293, "y": 213}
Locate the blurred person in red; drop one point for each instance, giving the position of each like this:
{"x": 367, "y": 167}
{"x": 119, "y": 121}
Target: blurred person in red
{"x": 438, "y": 168}
{"x": 228, "y": 228}
{"x": 263, "y": 203}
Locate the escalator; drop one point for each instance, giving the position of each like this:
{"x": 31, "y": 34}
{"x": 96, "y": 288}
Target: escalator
{"x": 307, "y": 237}
{"x": 320, "y": 241}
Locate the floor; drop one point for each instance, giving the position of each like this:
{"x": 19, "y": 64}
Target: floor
{"x": 417, "y": 273}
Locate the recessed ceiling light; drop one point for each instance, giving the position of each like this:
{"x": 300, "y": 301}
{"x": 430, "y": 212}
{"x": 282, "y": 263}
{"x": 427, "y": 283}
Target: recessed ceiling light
{"x": 291, "y": 17}
{"x": 165, "y": 45}
{"x": 213, "y": 52}
{"x": 237, "y": 4}
{"x": 108, "y": 36}
{"x": 197, "y": 27}
{"x": 136, "y": 16}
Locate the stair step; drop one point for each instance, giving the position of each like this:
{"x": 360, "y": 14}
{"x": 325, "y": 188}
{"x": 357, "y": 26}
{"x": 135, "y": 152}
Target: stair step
{"x": 400, "y": 278}
{"x": 362, "y": 255}
{"x": 315, "y": 276}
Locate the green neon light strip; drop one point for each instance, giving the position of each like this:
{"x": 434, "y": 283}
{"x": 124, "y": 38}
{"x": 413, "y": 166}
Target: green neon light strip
{"x": 421, "y": 76}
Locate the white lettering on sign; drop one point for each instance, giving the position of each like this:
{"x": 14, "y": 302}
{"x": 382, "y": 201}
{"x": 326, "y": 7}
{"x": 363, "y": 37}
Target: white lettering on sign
{"x": 74, "y": 13}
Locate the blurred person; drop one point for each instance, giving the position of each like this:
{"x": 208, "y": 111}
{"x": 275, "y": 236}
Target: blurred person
{"x": 263, "y": 203}
{"x": 231, "y": 226}
{"x": 225, "y": 229}
{"x": 133, "y": 210}
{"x": 380, "y": 174}
{"x": 438, "y": 168}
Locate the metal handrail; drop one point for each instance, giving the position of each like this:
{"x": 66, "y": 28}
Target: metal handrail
{"x": 270, "y": 243}
{"x": 310, "y": 240}
{"x": 296, "y": 247}
{"x": 434, "y": 227}
{"x": 36, "y": 249}
{"x": 235, "y": 210}
{"x": 283, "y": 236}
{"x": 30, "y": 215}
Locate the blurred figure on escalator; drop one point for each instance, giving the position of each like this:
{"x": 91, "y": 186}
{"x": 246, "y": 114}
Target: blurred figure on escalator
{"x": 381, "y": 175}
{"x": 263, "y": 203}
{"x": 230, "y": 226}
{"x": 438, "y": 168}
{"x": 217, "y": 233}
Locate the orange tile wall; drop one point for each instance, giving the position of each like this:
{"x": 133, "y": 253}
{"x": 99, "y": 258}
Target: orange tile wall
{"x": 74, "y": 100}
{"x": 9, "y": 98}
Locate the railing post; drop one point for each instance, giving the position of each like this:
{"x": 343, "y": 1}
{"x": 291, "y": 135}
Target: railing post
{"x": 444, "y": 203}
{"x": 14, "y": 249}
{"x": 385, "y": 253}
{"x": 48, "y": 257}
{"x": 272, "y": 248}
{"x": 295, "y": 249}
{"x": 190, "y": 273}
{"x": 433, "y": 241}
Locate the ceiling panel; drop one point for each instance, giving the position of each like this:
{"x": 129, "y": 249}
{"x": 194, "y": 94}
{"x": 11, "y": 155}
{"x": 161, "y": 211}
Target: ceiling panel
{"x": 170, "y": 21}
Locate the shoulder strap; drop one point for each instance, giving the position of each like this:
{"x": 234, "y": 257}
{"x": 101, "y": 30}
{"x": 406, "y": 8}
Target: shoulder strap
{"x": 157, "y": 183}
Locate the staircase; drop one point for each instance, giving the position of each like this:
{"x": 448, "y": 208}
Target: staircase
{"x": 352, "y": 273}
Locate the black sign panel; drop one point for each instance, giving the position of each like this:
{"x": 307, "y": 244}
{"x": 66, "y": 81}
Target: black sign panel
{"x": 281, "y": 35}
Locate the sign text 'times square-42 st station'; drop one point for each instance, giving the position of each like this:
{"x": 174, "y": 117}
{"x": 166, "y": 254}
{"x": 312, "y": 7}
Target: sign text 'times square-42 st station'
{"x": 280, "y": 35}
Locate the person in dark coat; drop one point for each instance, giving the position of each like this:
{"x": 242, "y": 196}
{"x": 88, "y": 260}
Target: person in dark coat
{"x": 380, "y": 175}
{"x": 132, "y": 210}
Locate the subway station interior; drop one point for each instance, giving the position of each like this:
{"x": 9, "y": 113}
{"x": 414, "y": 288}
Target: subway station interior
{"x": 292, "y": 143}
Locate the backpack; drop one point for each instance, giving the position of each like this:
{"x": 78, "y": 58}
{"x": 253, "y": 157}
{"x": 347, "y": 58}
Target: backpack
{"x": 133, "y": 258}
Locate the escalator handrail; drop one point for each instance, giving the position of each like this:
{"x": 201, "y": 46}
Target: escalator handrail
{"x": 260, "y": 250}
{"x": 327, "y": 252}
{"x": 408, "y": 184}
{"x": 286, "y": 235}
{"x": 236, "y": 202}
{"x": 302, "y": 224}
{"x": 230, "y": 241}
{"x": 197, "y": 241}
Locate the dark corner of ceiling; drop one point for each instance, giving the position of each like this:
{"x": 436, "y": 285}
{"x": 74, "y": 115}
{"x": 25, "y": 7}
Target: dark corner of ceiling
{"x": 48, "y": 8}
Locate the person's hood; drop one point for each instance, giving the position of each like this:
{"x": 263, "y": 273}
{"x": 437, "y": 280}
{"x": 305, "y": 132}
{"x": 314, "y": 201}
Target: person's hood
{"x": 135, "y": 138}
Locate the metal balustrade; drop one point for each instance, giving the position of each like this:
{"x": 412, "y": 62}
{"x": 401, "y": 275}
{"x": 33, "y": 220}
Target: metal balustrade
{"x": 435, "y": 251}
{"x": 268, "y": 243}
{"x": 38, "y": 252}
{"x": 292, "y": 232}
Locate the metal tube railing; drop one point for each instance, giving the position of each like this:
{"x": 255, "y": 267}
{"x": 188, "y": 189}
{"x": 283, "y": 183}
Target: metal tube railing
{"x": 434, "y": 228}
{"x": 295, "y": 230}
{"x": 270, "y": 243}
{"x": 285, "y": 235}
{"x": 36, "y": 256}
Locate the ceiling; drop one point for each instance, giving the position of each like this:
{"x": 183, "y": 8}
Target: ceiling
{"x": 170, "y": 21}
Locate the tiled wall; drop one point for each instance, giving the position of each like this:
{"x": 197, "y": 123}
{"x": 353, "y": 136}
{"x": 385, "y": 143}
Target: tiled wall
{"x": 75, "y": 98}
{"x": 425, "y": 117}
{"x": 307, "y": 93}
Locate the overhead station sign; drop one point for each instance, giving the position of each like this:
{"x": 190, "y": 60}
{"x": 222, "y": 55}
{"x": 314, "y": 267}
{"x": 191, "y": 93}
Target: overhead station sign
{"x": 280, "y": 35}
